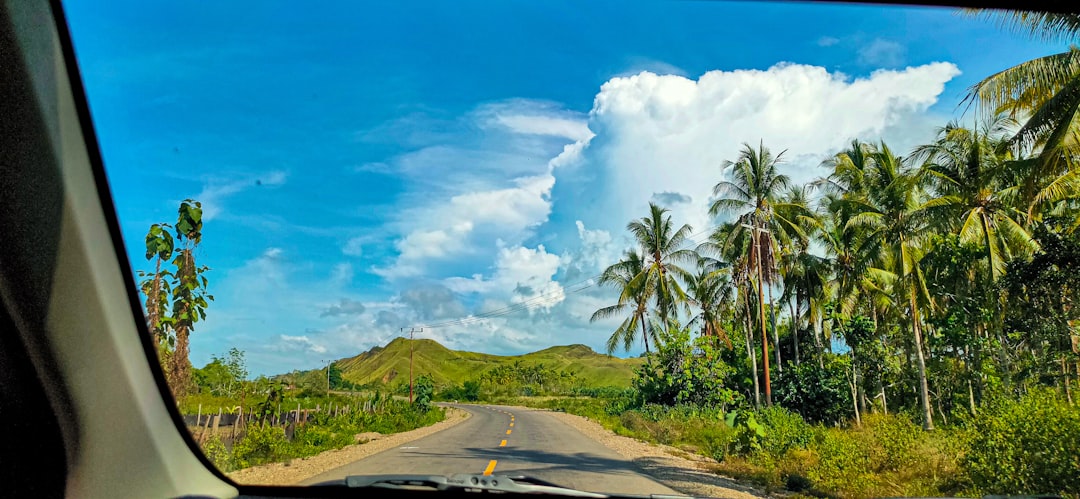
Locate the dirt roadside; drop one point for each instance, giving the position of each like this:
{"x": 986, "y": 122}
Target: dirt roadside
{"x": 298, "y": 470}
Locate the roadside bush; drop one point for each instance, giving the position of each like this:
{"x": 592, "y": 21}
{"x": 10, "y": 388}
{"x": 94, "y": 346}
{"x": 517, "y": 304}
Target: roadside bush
{"x": 1026, "y": 446}
{"x": 819, "y": 395}
{"x": 715, "y": 440}
{"x": 217, "y": 453}
{"x": 784, "y": 430}
{"x": 842, "y": 464}
{"x": 262, "y": 444}
{"x": 686, "y": 371}
{"x": 891, "y": 441}
{"x": 313, "y": 439}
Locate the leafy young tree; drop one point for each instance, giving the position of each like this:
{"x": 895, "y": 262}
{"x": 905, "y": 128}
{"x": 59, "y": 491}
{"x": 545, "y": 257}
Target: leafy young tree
{"x": 156, "y": 288}
{"x": 334, "y": 377}
{"x": 188, "y": 294}
{"x": 819, "y": 394}
{"x": 425, "y": 390}
{"x": 223, "y": 376}
{"x": 685, "y": 371}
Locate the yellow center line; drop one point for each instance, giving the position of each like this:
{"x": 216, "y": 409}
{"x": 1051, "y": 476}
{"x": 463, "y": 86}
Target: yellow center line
{"x": 490, "y": 467}
{"x": 507, "y": 432}
{"x": 502, "y": 444}
{"x": 511, "y": 425}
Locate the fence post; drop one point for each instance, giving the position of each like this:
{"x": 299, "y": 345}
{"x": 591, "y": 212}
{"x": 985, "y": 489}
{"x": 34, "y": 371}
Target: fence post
{"x": 198, "y": 418}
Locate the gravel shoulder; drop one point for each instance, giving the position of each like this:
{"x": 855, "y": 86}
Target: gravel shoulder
{"x": 298, "y": 470}
{"x": 684, "y": 472}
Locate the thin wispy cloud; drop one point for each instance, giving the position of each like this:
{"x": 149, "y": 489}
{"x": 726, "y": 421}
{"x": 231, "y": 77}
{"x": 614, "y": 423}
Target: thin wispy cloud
{"x": 827, "y": 41}
{"x": 882, "y": 53}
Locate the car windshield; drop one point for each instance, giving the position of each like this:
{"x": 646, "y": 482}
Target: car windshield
{"x": 705, "y": 248}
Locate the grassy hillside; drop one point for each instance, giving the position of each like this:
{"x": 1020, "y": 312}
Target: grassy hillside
{"x": 390, "y": 364}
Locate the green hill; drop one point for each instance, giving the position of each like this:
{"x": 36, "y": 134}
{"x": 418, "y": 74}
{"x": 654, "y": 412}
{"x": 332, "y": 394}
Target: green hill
{"x": 390, "y": 364}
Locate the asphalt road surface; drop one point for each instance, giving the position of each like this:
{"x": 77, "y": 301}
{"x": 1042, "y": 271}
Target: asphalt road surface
{"x": 509, "y": 441}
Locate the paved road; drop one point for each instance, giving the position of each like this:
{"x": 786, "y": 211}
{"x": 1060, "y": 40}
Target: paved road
{"x": 511, "y": 441}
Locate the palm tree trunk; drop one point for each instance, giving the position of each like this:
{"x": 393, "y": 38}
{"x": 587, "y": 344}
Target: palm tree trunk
{"x": 764, "y": 335}
{"x": 644, "y": 334}
{"x": 924, "y": 390}
{"x": 817, "y": 338}
{"x": 855, "y": 393}
{"x": 753, "y": 355}
{"x": 794, "y": 328}
{"x": 775, "y": 333}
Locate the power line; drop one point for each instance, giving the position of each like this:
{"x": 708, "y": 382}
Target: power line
{"x": 566, "y": 290}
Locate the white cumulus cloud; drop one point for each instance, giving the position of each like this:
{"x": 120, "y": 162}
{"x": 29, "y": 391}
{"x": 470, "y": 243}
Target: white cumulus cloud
{"x": 670, "y": 134}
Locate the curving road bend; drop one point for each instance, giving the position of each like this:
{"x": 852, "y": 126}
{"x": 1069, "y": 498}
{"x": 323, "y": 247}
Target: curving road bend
{"x": 509, "y": 441}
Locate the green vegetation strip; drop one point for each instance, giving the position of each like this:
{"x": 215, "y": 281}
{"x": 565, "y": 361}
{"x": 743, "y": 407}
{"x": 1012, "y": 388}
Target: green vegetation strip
{"x": 1002, "y": 449}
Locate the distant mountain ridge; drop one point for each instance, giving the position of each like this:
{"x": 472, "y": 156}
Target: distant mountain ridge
{"x": 390, "y": 364}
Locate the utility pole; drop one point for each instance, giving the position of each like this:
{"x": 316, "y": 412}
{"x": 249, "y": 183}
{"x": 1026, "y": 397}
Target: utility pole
{"x": 412, "y": 331}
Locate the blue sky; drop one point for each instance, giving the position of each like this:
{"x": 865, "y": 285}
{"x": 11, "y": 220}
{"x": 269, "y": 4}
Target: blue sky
{"x": 371, "y": 166}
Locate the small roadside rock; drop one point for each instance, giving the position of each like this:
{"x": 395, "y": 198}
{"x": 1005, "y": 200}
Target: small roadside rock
{"x": 684, "y": 472}
{"x": 297, "y": 470}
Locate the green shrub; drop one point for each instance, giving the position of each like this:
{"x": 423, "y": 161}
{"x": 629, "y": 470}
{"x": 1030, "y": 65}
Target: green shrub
{"x": 842, "y": 464}
{"x": 309, "y": 439}
{"x": 891, "y": 441}
{"x": 262, "y": 444}
{"x": 686, "y": 371}
{"x": 784, "y": 430}
{"x": 1026, "y": 446}
{"x": 715, "y": 440}
{"x": 217, "y": 453}
{"x": 819, "y": 395}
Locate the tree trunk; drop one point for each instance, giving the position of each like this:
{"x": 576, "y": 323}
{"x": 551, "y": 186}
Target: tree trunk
{"x": 817, "y": 340}
{"x": 753, "y": 355}
{"x": 153, "y": 306}
{"x": 1065, "y": 380}
{"x": 775, "y": 333}
{"x": 794, "y": 329}
{"x": 854, "y": 385}
{"x": 179, "y": 365}
{"x": 924, "y": 390}
{"x": 971, "y": 398}
{"x": 764, "y": 335}
{"x": 644, "y": 334}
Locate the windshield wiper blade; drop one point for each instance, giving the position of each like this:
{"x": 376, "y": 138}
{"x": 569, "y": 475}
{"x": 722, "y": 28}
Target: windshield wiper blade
{"x": 466, "y": 481}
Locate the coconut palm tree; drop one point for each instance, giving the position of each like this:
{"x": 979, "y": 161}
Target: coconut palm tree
{"x": 1045, "y": 92}
{"x": 754, "y": 190}
{"x": 848, "y": 170}
{"x": 965, "y": 171}
{"x": 633, "y": 302}
{"x": 795, "y": 257}
{"x": 896, "y": 230}
{"x": 710, "y": 292}
{"x": 662, "y": 251}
